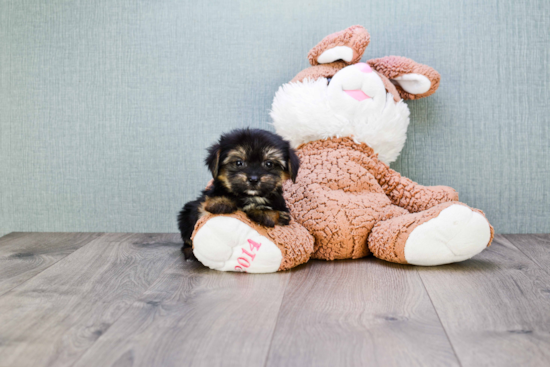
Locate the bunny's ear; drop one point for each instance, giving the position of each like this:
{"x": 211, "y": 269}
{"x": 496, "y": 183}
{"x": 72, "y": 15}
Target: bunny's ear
{"x": 347, "y": 45}
{"x": 411, "y": 79}
{"x": 319, "y": 71}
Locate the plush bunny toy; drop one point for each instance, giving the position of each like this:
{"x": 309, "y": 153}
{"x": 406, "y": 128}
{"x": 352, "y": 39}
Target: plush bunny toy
{"x": 347, "y": 120}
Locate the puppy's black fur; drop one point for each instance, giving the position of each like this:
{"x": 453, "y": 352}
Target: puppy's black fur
{"x": 248, "y": 167}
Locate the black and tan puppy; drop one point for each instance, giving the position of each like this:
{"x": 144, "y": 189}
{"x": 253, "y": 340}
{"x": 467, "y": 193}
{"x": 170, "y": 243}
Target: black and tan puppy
{"x": 248, "y": 167}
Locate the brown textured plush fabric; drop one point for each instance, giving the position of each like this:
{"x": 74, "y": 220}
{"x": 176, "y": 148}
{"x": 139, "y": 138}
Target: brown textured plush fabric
{"x": 394, "y": 66}
{"x": 294, "y": 241}
{"x": 343, "y": 191}
{"x": 355, "y": 37}
{"x": 387, "y": 239}
{"x": 319, "y": 71}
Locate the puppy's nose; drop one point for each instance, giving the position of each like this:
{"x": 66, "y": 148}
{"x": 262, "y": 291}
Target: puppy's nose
{"x": 253, "y": 179}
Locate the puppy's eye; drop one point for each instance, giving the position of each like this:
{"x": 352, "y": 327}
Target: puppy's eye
{"x": 239, "y": 163}
{"x": 268, "y": 164}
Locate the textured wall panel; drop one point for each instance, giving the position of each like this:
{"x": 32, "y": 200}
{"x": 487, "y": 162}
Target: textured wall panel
{"x": 106, "y": 107}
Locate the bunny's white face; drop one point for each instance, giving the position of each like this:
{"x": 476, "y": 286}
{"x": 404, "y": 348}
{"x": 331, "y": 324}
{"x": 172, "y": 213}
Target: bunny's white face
{"x": 355, "y": 91}
{"x": 354, "y": 103}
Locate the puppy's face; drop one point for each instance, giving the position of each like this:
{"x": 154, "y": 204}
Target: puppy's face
{"x": 252, "y": 162}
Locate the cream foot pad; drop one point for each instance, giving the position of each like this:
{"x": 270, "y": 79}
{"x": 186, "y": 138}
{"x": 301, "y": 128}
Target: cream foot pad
{"x": 227, "y": 244}
{"x": 456, "y": 234}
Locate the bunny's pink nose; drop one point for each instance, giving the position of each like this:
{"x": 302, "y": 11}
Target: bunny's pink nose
{"x": 365, "y": 68}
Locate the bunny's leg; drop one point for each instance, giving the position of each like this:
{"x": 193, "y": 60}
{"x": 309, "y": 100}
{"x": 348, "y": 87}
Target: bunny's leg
{"x": 235, "y": 243}
{"x": 339, "y": 221}
{"x": 446, "y": 233}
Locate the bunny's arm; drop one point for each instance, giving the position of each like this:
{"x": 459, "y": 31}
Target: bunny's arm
{"x": 407, "y": 193}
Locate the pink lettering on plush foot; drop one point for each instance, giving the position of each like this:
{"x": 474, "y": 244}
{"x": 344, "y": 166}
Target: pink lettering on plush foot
{"x": 246, "y": 261}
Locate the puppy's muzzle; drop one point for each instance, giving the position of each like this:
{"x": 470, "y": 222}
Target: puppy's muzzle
{"x": 253, "y": 180}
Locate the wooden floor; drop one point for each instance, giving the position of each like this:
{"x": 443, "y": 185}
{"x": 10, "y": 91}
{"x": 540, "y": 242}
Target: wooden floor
{"x": 86, "y": 299}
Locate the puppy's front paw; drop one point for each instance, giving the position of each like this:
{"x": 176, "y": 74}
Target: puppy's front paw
{"x": 219, "y": 205}
{"x": 266, "y": 218}
{"x": 284, "y": 218}
{"x": 269, "y": 218}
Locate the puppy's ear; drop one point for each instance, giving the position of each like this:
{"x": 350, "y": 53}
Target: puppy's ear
{"x": 213, "y": 159}
{"x": 293, "y": 164}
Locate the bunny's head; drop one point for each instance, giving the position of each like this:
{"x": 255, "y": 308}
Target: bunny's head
{"x": 339, "y": 96}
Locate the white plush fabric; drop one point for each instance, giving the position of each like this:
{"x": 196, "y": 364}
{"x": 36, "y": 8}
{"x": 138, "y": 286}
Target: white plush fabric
{"x": 312, "y": 110}
{"x": 456, "y": 234}
{"x": 413, "y": 83}
{"x": 222, "y": 243}
{"x": 336, "y": 53}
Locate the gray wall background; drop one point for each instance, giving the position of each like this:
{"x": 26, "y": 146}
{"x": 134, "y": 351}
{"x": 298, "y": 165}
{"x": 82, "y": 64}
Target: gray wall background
{"x": 106, "y": 106}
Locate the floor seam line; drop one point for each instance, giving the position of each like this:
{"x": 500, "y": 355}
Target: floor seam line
{"x": 439, "y": 319}
{"x": 277, "y": 320}
{"x": 43, "y": 270}
{"x": 525, "y": 254}
{"x": 126, "y": 310}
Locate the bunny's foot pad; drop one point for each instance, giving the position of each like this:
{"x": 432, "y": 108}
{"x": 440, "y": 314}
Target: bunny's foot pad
{"x": 456, "y": 234}
{"x": 446, "y": 233}
{"x": 228, "y": 244}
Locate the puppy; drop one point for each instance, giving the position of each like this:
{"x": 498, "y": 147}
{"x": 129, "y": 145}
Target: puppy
{"x": 249, "y": 167}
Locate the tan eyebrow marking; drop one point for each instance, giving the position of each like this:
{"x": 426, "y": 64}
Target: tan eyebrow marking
{"x": 235, "y": 154}
{"x": 275, "y": 155}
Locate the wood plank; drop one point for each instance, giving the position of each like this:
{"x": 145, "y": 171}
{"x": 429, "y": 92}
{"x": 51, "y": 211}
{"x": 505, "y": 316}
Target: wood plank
{"x": 12, "y": 235}
{"x": 535, "y": 246}
{"x": 53, "y": 318}
{"x": 23, "y": 255}
{"x": 495, "y": 308}
{"x": 358, "y": 313}
{"x": 194, "y": 316}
